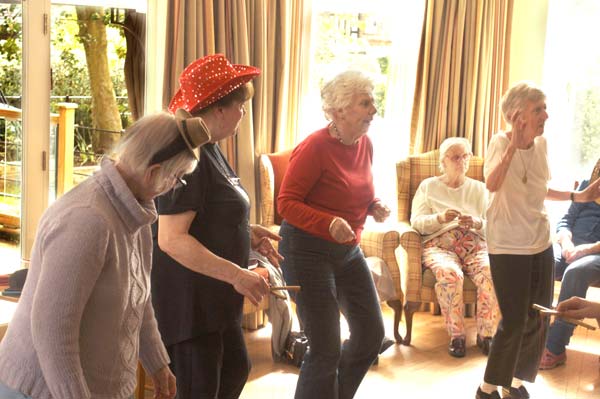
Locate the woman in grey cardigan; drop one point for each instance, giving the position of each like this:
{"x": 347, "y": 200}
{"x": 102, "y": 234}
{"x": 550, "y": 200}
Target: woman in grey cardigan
{"x": 85, "y": 316}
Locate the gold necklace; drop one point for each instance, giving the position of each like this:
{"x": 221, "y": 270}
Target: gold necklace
{"x": 525, "y": 168}
{"x": 338, "y": 135}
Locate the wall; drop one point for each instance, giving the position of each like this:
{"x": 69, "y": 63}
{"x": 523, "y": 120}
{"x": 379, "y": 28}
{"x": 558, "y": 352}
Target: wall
{"x": 528, "y": 40}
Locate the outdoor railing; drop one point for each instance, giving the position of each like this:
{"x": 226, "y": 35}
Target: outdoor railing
{"x": 62, "y": 124}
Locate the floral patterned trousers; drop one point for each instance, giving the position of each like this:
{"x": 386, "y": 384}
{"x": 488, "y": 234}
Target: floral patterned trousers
{"x": 450, "y": 256}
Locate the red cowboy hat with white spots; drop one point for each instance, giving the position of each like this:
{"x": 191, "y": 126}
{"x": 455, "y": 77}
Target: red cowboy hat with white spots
{"x": 209, "y": 79}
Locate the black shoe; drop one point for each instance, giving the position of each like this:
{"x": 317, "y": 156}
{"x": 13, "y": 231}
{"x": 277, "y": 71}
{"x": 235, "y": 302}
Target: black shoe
{"x": 484, "y": 343}
{"x": 457, "y": 347}
{"x": 516, "y": 393}
{"x": 386, "y": 343}
{"x": 482, "y": 395}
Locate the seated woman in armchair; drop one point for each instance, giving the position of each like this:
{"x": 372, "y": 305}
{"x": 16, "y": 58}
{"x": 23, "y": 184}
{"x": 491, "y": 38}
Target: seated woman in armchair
{"x": 448, "y": 211}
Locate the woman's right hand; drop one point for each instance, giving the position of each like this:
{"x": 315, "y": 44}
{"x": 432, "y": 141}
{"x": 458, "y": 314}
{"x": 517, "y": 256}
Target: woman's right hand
{"x": 251, "y": 285}
{"x": 447, "y": 216}
{"x": 579, "y": 308}
{"x": 341, "y": 231}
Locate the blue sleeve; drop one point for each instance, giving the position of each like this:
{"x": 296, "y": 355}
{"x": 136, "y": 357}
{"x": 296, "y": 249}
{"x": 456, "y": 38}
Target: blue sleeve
{"x": 568, "y": 220}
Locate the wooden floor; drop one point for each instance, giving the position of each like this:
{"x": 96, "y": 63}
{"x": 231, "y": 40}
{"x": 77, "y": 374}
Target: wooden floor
{"x": 425, "y": 370}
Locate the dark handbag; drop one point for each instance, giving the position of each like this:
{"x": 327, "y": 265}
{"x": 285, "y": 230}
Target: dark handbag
{"x": 295, "y": 348}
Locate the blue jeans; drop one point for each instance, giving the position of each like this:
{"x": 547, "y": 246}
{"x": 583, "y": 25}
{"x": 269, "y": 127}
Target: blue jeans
{"x": 7, "y": 393}
{"x": 578, "y": 276}
{"x": 333, "y": 278}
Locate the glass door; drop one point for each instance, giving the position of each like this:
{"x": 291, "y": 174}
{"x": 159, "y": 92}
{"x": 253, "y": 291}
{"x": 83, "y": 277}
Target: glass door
{"x": 98, "y": 79}
{"x": 11, "y": 134}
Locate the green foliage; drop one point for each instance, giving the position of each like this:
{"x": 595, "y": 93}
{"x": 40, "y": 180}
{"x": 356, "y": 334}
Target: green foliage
{"x": 10, "y": 31}
{"x": 344, "y": 42}
{"x": 587, "y": 124}
{"x": 10, "y": 51}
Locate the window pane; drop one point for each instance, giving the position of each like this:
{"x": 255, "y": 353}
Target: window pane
{"x": 10, "y": 135}
{"x": 572, "y": 83}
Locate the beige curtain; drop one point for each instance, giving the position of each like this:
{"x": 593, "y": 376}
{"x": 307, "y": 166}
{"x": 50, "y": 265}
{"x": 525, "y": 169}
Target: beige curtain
{"x": 281, "y": 32}
{"x": 251, "y": 32}
{"x": 462, "y": 73}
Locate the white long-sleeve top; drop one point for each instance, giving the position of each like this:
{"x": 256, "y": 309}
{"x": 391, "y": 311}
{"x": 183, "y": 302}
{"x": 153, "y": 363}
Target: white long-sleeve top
{"x": 434, "y": 196}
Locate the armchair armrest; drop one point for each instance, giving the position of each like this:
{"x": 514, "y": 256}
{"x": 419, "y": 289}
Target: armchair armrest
{"x": 382, "y": 241}
{"x": 408, "y": 254}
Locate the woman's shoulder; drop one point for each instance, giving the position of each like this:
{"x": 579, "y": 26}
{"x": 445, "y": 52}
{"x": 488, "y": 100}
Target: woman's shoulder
{"x": 500, "y": 137}
{"x": 474, "y": 183}
{"x": 313, "y": 141}
{"x": 430, "y": 182}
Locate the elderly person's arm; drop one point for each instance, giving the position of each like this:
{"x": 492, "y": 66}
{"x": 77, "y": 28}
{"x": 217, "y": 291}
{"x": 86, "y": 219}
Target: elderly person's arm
{"x": 423, "y": 218}
{"x": 74, "y": 253}
{"x": 154, "y": 357}
{"x": 497, "y": 164}
{"x": 591, "y": 193}
{"x": 174, "y": 239}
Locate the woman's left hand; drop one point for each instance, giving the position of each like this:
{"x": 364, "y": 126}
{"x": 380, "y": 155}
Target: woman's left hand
{"x": 470, "y": 222}
{"x": 164, "y": 384}
{"x": 260, "y": 240}
{"x": 379, "y": 211}
{"x": 591, "y": 192}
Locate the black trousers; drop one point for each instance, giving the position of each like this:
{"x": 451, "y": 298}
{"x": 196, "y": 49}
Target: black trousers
{"x": 211, "y": 366}
{"x": 520, "y": 281}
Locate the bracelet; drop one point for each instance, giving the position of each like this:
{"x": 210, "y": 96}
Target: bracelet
{"x": 572, "y": 196}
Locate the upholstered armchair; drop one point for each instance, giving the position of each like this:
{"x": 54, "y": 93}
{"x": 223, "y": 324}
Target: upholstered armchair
{"x": 380, "y": 243}
{"x": 418, "y": 284}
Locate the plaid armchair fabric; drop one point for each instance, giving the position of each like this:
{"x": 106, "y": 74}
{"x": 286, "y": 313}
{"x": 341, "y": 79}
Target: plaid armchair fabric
{"x": 380, "y": 243}
{"x": 418, "y": 284}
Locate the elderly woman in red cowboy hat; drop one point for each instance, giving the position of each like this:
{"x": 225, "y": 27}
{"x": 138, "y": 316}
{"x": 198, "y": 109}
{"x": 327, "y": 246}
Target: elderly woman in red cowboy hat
{"x": 202, "y": 242}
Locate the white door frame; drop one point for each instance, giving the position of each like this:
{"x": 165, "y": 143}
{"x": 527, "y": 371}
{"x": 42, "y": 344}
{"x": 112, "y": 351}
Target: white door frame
{"x": 35, "y": 117}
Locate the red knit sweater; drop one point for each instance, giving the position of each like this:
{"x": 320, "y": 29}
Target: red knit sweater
{"x": 325, "y": 179}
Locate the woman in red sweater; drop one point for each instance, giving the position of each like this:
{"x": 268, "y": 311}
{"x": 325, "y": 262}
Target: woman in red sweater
{"x": 325, "y": 197}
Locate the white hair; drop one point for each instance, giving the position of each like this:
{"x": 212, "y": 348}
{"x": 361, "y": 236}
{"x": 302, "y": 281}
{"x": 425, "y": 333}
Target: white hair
{"x": 517, "y": 97}
{"x": 145, "y": 138}
{"x": 339, "y": 92}
{"x": 452, "y": 142}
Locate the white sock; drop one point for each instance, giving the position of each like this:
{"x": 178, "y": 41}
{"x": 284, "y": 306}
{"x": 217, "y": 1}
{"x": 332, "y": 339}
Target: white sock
{"x": 488, "y": 388}
{"x": 516, "y": 382}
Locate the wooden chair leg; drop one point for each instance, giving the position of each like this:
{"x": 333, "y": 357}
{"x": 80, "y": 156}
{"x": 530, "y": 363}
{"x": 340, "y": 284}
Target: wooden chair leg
{"x": 140, "y": 390}
{"x": 396, "y": 305}
{"x": 409, "y": 310}
{"x": 435, "y": 308}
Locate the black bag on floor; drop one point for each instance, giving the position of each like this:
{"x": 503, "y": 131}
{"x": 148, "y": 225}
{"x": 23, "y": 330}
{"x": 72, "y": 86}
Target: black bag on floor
{"x": 295, "y": 348}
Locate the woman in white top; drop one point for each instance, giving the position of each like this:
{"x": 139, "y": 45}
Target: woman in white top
{"x": 518, "y": 233}
{"x": 448, "y": 211}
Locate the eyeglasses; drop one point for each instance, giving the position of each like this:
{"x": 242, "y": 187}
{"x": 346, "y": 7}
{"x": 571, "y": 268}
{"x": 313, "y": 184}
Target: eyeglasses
{"x": 456, "y": 158}
{"x": 179, "y": 182}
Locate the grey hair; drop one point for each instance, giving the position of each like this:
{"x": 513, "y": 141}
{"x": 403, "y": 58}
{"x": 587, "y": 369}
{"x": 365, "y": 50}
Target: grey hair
{"x": 449, "y": 143}
{"x": 145, "y": 138}
{"x": 517, "y": 96}
{"x": 338, "y": 93}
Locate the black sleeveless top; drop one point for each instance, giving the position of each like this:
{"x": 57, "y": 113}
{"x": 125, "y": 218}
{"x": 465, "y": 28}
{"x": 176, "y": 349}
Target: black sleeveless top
{"x": 187, "y": 303}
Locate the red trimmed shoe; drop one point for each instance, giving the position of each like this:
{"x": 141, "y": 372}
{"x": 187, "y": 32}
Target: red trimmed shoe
{"x": 550, "y": 360}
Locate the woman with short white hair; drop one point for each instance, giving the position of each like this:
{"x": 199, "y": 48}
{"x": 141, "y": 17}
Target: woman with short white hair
{"x": 85, "y": 314}
{"x": 325, "y": 197}
{"x": 449, "y": 212}
{"x": 519, "y": 244}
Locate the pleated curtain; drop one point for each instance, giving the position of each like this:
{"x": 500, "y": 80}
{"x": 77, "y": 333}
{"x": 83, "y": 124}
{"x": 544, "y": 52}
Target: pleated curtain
{"x": 462, "y": 72}
{"x": 269, "y": 34}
